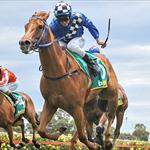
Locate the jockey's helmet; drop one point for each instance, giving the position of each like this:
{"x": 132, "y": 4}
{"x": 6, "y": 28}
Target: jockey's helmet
{"x": 62, "y": 9}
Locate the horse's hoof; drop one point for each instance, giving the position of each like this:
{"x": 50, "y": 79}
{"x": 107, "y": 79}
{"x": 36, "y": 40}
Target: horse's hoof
{"x": 36, "y": 144}
{"x": 20, "y": 145}
{"x": 109, "y": 146}
{"x": 100, "y": 130}
{"x": 62, "y": 129}
{"x": 73, "y": 147}
{"x": 12, "y": 145}
{"x": 98, "y": 140}
{"x": 25, "y": 140}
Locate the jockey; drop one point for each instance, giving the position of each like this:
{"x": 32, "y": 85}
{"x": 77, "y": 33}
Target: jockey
{"x": 68, "y": 27}
{"x": 8, "y": 82}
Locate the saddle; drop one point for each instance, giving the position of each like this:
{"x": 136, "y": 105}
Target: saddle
{"x": 100, "y": 81}
{"x": 20, "y": 104}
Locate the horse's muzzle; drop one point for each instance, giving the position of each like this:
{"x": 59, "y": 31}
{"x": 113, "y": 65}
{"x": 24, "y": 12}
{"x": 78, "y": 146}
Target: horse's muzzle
{"x": 25, "y": 46}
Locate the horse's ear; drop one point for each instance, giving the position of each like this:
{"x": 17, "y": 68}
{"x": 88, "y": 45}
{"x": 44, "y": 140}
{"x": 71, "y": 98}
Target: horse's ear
{"x": 35, "y": 13}
{"x": 46, "y": 16}
{"x": 49, "y": 13}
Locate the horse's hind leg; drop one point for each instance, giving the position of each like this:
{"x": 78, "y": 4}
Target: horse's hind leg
{"x": 10, "y": 135}
{"x": 46, "y": 115}
{"x": 89, "y": 130}
{"x": 22, "y": 130}
{"x": 20, "y": 123}
{"x": 112, "y": 96}
{"x": 119, "y": 115}
{"x": 78, "y": 116}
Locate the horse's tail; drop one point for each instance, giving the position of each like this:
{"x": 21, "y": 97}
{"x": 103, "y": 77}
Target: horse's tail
{"x": 37, "y": 118}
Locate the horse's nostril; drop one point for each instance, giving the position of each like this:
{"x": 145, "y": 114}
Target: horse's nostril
{"x": 27, "y": 42}
{"x": 23, "y": 43}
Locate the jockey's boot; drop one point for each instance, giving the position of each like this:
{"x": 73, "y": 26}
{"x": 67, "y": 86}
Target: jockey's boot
{"x": 93, "y": 67}
{"x": 13, "y": 98}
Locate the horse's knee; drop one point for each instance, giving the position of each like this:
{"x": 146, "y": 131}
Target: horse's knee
{"x": 116, "y": 133}
{"x": 111, "y": 116}
{"x": 82, "y": 139}
{"x": 107, "y": 136}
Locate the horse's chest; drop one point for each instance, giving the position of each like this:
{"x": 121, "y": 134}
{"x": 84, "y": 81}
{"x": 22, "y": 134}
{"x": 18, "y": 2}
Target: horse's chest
{"x": 57, "y": 100}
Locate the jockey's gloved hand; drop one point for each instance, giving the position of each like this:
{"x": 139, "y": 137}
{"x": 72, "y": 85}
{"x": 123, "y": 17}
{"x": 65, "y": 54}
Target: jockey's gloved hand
{"x": 101, "y": 43}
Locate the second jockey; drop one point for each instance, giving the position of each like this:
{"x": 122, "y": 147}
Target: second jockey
{"x": 8, "y": 82}
{"x": 70, "y": 26}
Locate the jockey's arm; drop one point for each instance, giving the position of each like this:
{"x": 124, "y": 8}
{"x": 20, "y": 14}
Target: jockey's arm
{"x": 5, "y": 77}
{"x": 90, "y": 26}
{"x": 93, "y": 30}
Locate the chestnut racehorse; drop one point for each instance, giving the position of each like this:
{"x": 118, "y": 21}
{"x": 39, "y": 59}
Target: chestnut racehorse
{"x": 95, "y": 112}
{"x": 63, "y": 84}
{"x": 8, "y": 120}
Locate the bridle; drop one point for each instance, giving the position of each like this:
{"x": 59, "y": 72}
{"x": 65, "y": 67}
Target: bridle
{"x": 44, "y": 31}
{"x": 45, "y": 44}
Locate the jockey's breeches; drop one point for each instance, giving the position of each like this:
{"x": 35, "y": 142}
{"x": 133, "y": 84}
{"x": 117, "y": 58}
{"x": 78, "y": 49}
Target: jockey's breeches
{"x": 9, "y": 87}
{"x": 75, "y": 45}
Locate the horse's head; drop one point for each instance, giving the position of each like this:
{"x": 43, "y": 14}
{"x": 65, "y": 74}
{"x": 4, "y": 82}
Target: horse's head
{"x": 34, "y": 32}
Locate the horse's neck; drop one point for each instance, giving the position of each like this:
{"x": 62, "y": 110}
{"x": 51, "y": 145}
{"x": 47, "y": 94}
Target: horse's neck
{"x": 52, "y": 58}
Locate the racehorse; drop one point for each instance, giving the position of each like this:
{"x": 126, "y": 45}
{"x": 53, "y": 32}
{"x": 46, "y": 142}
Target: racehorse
{"x": 8, "y": 119}
{"x": 63, "y": 84}
{"x": 96, "y": 113}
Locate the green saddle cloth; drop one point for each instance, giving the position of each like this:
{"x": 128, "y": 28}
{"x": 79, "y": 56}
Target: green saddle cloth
{"x": 20, "y": 104}
{"x": 100, "y": 81}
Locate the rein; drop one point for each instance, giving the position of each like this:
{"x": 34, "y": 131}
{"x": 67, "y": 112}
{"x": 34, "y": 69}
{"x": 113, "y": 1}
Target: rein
{"x": 63, "y": 76}
{"x": 38, "y": 45}
{"x": 45, "y": 30}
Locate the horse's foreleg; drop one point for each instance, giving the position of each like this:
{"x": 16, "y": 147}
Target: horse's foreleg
{"x": 78, "y": 116}
{"x": 74, "y": 141}
{"x": 46, "y": 115}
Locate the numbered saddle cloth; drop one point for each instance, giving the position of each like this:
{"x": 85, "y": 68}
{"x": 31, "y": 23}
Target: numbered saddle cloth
{"x": 100, "y": 81}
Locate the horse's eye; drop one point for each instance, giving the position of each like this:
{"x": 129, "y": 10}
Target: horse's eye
{"x": 40, "y": 27}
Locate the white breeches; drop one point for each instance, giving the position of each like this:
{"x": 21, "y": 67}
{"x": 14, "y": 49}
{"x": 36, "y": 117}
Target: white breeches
{"x": 9, "y": 87}
{"x": 75, "y": 45}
